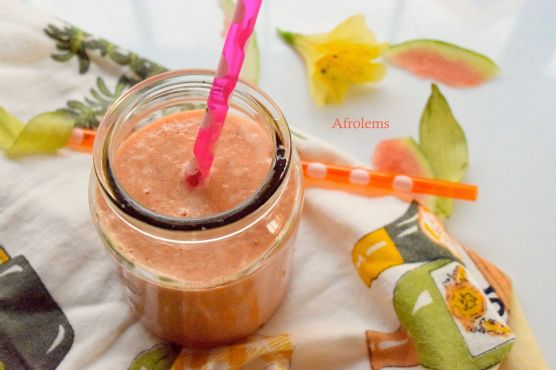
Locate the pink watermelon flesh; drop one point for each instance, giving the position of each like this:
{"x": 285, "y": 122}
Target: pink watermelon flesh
{"x": 401, "y": 156}
{"x": 443, "y": 62}
{"x": 427, "y": 64}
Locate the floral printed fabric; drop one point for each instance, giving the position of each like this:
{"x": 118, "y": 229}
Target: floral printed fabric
{"x": 256, "y": 352}
{"x": 452, "y": 316}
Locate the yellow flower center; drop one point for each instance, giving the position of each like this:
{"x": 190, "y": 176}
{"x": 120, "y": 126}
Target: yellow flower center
{"x": 342, "y": 64}
{"x": 345, "y": 62}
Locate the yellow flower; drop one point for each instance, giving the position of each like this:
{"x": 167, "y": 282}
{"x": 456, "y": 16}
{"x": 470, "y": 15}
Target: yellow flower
{"x": 338, "y": 59}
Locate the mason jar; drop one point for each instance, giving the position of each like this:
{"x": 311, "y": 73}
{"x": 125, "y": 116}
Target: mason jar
{"x": 241, "y": 298}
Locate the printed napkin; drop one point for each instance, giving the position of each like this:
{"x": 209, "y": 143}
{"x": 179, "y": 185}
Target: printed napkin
{"x": 377, "y": 282}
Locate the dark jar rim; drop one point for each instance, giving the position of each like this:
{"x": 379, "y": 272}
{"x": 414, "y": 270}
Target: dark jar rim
{"x": 118, "y": 197}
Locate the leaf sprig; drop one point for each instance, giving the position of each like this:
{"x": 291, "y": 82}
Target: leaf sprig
{"x": 88, "y": 114}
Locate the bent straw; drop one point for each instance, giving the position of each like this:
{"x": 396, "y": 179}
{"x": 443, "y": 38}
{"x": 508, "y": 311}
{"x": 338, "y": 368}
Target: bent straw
{"x": 225, "y": 79}
{"x": 363, "y": 181}
{"x": 353, "y": 179}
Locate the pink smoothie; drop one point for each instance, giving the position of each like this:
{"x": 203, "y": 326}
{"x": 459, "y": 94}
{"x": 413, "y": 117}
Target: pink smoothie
{"x": 220, "y": 305}
{"x": 150, "y": 166}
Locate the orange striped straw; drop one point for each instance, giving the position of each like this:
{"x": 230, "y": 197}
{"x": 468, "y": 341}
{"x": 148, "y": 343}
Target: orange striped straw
{"x": 353, "y": 179}
{"x": 81, "y": 140}
{"x": 366, "y": 181}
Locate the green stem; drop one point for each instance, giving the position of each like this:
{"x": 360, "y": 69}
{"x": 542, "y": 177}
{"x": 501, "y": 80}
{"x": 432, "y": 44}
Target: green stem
{"x": 288, "y": 37}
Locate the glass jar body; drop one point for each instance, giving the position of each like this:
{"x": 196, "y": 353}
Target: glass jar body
{"x": 223, "y": 292}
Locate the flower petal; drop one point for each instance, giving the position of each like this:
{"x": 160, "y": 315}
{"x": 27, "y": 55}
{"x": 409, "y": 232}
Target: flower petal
{"x": 339, "y": 59}
{"x": 342, "y": 65}
{"x": 354, "y": 29}
{"x": 305, "y": 46}
{"x": 326, "y": 91}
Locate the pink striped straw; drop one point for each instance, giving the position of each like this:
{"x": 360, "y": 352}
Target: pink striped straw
{"x": 225, "y": 80}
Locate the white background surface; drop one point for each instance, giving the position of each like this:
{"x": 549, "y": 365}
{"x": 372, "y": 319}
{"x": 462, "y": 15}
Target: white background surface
{"x": 510, "y": 123}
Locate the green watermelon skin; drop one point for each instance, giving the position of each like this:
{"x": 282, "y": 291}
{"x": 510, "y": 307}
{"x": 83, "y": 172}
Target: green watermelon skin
{"x": 443, "y": 62}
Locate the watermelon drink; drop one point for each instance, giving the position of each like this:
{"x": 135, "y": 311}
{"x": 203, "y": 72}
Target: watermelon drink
{"x": 207, "y": 265}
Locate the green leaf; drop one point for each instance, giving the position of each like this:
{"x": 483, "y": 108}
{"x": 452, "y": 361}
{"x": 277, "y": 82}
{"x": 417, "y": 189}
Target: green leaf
{"x": 443, "y": 207}
{"x": 62, "y": 57}
{"x": 10, "y": 127}
{"x": 62, "y": 46}
{"x": 99, "y": 98}
{"x": 159, "y": 357}
{"x": 74, "y": 104}
{"x": 443, "y": 142}
{"x": 120, "y": 86}
{"x": 102, "y": 87}
{"x": 83, "y": 64}
{"x": 119, "y": 58}
{"x": 251, "y": 69}
{"x": 44, "y": 133}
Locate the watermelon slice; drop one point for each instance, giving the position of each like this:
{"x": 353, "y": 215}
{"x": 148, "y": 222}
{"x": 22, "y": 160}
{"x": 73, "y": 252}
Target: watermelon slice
{"x": 442, "y": 151}
{"x": 443, "y": 62}
{"x": 401, "y": 156}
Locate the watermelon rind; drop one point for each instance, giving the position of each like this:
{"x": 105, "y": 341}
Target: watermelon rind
{"x": 475, "y": 62}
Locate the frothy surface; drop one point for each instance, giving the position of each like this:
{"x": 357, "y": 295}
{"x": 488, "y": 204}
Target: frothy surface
{"x": 150, "y": 165}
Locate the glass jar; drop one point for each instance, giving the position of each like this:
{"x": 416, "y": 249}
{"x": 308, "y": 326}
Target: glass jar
{"x": 189, "y": 311}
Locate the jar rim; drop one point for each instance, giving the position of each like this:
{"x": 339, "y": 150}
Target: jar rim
{"x": 125, "y": 203}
